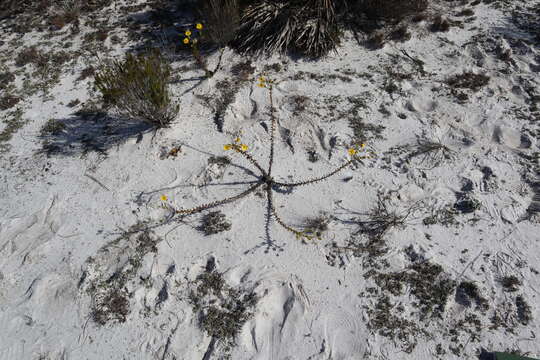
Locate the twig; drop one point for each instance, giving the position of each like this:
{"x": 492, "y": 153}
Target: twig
{"x": 68, "y": 236}
{"x": 417, "y": 62}
{"x": 219, "y": 60}
{"x": 97, "y": 181}
{"x": 468, "y": 265}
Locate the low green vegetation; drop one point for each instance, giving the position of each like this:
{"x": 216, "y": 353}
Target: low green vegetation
{"x": 221, "y": 309}
{"x": 137, "y": 87}
{"x": 12, "y": 121}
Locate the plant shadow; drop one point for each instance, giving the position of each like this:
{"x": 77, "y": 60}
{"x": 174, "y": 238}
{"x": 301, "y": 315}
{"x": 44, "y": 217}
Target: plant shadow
{"x": 86, "y": 131}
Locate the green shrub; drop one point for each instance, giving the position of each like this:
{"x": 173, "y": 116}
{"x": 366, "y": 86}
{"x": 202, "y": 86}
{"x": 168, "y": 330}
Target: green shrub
{"x": 52, "y": 127}
{"x": 137, "y": 88}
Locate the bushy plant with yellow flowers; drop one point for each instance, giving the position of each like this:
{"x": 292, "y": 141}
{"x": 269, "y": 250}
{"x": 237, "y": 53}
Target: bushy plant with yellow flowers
{"x": 193, "y": 39}
{"x": 265, "y": 176}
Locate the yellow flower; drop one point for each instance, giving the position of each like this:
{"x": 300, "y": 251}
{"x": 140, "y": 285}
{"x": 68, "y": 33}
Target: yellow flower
{"x": 163, "y": 197}
{"x": 261, "y": 79}
{"x": 227, "y": 147}
{"x": 362, "y": 145}
{"x": 244, "y": 147}
{"x": 199, "y": 26}
{"x": 237, "y": 140}
{"x": 188, "y": 33}
{"x": 261, "y": 85}
{"x": 352, "y": 151}
{"x": 186, "y": 41}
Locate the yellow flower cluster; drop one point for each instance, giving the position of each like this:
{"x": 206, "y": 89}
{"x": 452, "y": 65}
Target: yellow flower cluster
{"x": 264, "y": 82}
{"x": 188, "y": 33}
{"x": 237, "y": 146}
{"x": 353, "y": 151}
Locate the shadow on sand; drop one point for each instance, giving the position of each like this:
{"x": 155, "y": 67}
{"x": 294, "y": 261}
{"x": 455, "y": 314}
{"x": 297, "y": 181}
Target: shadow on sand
{"x": 87, "y": 131}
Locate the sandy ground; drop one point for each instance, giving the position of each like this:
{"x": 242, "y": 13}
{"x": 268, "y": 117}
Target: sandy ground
{"x": 429, "y": 248}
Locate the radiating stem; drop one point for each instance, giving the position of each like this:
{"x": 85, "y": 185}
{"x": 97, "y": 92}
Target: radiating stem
{"x": 250, "y": 158}
{"x": 299, "y": 234}
{"x": 272, "y": 131}
{"x": 219, "y": 202}
{"x": 311, "y": 181}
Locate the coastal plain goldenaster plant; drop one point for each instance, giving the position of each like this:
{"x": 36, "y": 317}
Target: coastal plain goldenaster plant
{"x": 193, "y": 40}
{"x": 265, "y": 177}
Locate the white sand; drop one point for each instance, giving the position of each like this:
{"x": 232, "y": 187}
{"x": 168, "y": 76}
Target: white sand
{"x": 314, "y": 301}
